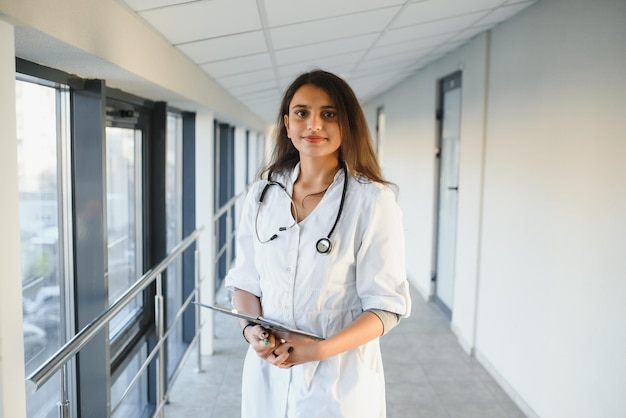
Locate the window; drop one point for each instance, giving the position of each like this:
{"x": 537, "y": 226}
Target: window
{"x": 91, "y": 229}
{"x": 135, "y": 402}
{"x": 124, "y": 226}
{"x": 174, "y": 235}
{"x": 224, "y": 190}
{"x": 42, "y": 126}
{"x": 127, "y": 130}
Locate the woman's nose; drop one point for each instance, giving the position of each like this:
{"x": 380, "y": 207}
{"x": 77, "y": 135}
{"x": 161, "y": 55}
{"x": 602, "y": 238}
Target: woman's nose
{"x": 314, "y": 123}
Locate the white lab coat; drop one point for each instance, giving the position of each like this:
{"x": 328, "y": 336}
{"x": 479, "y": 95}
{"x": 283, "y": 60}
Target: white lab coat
{"x": 321, "y": 294}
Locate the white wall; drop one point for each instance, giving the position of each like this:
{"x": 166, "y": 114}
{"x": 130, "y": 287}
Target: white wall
{"x": 553, "y": 267}
{"x": 541, "y": 256}
{"x": 12, "y": 397}
{"x": 409, "y": 161}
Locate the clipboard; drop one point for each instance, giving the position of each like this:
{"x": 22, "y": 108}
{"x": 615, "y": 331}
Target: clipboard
{"x": 264, "y": 322}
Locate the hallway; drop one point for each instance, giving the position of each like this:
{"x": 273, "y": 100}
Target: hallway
{"x": 428, "y": 374}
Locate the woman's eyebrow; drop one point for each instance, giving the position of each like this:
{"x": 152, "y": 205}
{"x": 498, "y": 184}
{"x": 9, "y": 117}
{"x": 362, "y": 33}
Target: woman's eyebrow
{"x": 303, "y": 106}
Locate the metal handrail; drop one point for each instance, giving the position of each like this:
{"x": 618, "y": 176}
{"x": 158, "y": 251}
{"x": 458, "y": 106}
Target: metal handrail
{"x": 226, "y": 209}
{"x": 59, "y": 360}
{"x": 40, "y": 376}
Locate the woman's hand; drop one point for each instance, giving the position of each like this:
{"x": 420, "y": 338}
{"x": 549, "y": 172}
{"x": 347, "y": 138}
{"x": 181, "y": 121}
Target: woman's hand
{"x": 299, "y": 349}
{"x": 304, "y": 349}
{"x": 267, "y": 345}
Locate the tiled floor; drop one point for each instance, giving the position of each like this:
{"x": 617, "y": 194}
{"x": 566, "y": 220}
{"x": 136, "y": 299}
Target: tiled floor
{"x": 428, "y": 375}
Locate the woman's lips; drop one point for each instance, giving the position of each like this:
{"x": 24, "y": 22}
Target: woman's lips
{"x": 314, "y": 138}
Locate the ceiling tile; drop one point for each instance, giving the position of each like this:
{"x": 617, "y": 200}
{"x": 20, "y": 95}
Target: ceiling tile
{"x": 141, "y": 5}
{"x": 423, "y": 30}
{"x": 261, "y": 95}
{"x": 504, "y": 13}
{"x": 447, "y": 47}
{"x": 375, "y": 65}
{"x": 343, "y": 63}
{"x": 254, "y": 90}
{"x": 374, "y": 44}
{"x": 332, "y": 28}
{"x": 289, "y": 72}
{"x": 238, "y": 65}
{"x": 416, "y": 45}
{"x": 366, "y": 87}
{"x": 427, "y": 11}
{"x": 226, "y": 47}
{"x": 469, "y": 33}
{"x": 238, "y": 80}
{"x": 324, "y": 49}
{"x": 287, "y": 12}
{"x": 204, "y": 19}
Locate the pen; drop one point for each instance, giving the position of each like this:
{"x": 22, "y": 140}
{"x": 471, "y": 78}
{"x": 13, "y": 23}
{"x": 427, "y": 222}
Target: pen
{"x": 265, "y": 339}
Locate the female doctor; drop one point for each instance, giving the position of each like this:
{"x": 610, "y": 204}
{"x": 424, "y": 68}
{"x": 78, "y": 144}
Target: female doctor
{"x": 320, "y": 248}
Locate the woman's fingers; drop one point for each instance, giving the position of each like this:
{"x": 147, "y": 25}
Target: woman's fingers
{"x": 263, "y": 342}
{"x": 273, "y": 347}
{"x": 281, "y": 357}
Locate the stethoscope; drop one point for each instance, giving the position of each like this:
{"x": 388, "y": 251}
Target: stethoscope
{"x": 323, "y": 245}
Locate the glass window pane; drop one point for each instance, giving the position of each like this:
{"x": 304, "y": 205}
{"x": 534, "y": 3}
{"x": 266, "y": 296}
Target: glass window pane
{"x": 174, "y": 219}
{"x": 136, "y": 401}
{"x": 39, "y": 125}
{"x": 123, "y": 190}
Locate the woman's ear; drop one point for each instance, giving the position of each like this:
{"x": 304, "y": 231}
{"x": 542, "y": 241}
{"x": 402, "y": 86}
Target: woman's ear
{"x": 286, "y": 122}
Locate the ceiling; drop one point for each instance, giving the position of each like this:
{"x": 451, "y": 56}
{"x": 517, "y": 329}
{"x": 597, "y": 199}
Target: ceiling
{"x": 255, "y": 48}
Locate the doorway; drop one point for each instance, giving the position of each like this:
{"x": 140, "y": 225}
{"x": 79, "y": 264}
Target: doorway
{"x": 449, "y": 124}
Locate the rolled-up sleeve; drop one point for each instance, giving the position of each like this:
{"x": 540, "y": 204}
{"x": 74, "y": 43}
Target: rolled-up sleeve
{"x": 244, "y": 275}
{"x": 381, "y": 267}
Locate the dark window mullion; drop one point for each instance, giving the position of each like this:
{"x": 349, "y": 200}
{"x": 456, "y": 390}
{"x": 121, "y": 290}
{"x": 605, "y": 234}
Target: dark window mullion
{"x": 189, "y": 218}
{"x": 88, "y": 126}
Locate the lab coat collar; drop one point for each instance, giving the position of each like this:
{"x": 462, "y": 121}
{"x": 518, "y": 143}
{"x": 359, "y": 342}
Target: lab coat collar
{"x": 296, "y": 172}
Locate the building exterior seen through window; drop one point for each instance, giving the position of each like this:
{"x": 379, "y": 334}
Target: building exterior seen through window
{"x": 41, "y": 124}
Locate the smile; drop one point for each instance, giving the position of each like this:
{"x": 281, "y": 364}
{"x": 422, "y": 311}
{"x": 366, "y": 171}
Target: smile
{"x": 314, "y": 138}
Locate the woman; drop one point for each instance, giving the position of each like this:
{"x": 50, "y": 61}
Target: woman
{"x": 320, "y": 248}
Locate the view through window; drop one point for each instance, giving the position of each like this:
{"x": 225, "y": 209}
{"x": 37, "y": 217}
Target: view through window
{"x": 42, "y": 122}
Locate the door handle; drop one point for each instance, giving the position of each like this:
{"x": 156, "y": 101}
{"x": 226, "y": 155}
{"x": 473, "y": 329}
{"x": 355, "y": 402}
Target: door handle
{"x": 453, "y": 188}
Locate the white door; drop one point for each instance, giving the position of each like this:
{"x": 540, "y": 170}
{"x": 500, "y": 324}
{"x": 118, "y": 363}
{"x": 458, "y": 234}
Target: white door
{"x": 450, "y": 119}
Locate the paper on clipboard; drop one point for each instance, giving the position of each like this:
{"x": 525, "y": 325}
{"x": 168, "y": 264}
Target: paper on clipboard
{"x": 264, "y": 322}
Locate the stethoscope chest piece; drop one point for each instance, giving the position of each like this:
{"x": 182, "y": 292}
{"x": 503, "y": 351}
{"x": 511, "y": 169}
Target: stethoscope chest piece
{"x": 323, "y": 246}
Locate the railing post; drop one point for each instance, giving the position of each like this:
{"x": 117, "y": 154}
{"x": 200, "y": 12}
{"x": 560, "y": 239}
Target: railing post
{"x": 198, "y": 321}
{"x": 64, "y": 403}
{"x": 158, "y": 317}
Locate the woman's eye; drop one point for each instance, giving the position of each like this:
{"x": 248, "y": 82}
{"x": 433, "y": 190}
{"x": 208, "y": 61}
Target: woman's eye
{"x": 329, "y": 115}
{"x": 300, "y": 113}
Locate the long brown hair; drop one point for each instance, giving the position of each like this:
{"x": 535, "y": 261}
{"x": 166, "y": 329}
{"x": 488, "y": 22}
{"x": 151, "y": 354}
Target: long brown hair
{"x": 356, "y": 143}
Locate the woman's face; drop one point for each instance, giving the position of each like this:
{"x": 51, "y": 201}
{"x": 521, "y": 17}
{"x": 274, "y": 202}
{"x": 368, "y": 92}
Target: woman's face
{"x": 312, "y": 123}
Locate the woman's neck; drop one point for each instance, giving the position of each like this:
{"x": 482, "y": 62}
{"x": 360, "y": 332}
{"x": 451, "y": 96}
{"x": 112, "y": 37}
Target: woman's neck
{"x": 310, "y": 187}
{"x": 317, "y": 174}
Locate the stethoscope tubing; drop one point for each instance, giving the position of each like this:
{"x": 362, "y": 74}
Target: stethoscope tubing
{"x": 323, "y": 245}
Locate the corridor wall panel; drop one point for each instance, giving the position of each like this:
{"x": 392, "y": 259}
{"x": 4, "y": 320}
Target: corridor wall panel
{"x": 550, "y": 316}
{"x": 540, "y": 250}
